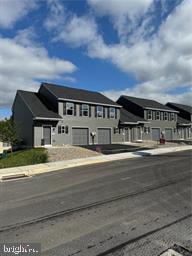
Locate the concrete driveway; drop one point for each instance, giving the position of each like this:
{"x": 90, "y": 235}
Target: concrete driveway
{"x": 107, "y": 149}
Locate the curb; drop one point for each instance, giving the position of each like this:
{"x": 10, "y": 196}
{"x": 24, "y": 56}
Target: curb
{"x": 31, "y": 170}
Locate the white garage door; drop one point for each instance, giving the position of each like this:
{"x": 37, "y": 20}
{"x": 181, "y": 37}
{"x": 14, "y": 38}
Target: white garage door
{"x": 155, "y": 133}
{"x": 80, "y": 136}
{"x": 168, "y": 134}
{"x": 104, "y": 136}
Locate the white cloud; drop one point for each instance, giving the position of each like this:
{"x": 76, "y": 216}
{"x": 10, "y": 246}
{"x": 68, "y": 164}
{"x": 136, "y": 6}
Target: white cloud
{"x": 56, "y": 14}
{"x": 147, "y": 90}
{"x": 162, "y": 63}
{"x": 67, "y": 27}
{"x": 13, "y": 10}
{"x": 123, "y": 14}
{"x": 26, "y": 37}
{"x": 21, "y": 67}
{"x": 78, "y": 31}
{"x": 121, "y": 7}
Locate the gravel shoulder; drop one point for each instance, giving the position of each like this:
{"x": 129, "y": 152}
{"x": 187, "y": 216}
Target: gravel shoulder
{"x": 69, "y": 153}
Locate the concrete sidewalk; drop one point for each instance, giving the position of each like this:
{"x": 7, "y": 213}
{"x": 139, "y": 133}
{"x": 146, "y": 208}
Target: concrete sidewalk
{"x": 53, "y": 166}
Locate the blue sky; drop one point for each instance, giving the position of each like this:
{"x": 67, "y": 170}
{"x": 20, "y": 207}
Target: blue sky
{"x": 141, "y": 48}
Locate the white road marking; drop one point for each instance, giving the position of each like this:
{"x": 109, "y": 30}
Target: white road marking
{"x": 126, "y": 178}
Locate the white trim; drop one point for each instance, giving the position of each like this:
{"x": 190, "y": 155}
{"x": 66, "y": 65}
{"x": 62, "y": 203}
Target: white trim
{"x": 83, "y": 127}
{"x": 89, "y": 102}
{"x": 47, "y": 118}
{"x": 70, "y": 109}
{"x": 165, "y": 110}
{"x": 111, "y": 139}
{"x": 99, "y": 112}
{"x": 44, "y": 125}
{"x": 114, "y": 113}
{"x": 159, "y": 119}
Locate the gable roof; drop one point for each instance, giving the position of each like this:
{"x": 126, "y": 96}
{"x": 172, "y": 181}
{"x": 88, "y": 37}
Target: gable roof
{"x": 78, "y": 95}
{"x": 37, "y": 107}
{"x": 178, "y": 106}
{"x": 147, "y": 104}
{"x": 128, "y": 117}
{"x": 183, "y": 121}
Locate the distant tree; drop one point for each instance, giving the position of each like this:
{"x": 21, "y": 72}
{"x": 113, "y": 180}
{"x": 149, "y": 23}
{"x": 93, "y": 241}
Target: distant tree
{"x": 8, "y": 132}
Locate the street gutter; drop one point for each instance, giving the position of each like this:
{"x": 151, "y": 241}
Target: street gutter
{"x": 31, "y": 170}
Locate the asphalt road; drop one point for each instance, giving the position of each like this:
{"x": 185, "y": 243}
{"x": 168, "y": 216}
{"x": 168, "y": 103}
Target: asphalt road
{"x": 118, "y": 208}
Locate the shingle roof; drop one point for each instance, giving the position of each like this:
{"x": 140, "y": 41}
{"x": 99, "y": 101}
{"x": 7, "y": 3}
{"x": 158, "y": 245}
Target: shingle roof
{"x": 178, "y": 106}
{"x": 181, "y": 120}
{"x": 145, "y": 103}
{"x": 127, "y": 117}
{"x": 35, "y": 104}
{"x": 64, "y": 92}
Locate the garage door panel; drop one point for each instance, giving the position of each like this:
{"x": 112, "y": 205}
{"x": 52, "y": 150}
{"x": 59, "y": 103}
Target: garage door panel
{"x": 168, "y": 134}
{"x": 155, "y": 133}
{"x": 104, "y": 136}
{"x": 80, "y": 136}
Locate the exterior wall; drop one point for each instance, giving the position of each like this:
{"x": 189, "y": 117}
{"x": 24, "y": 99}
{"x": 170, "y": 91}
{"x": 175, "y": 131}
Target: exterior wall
{"x": 23, "y": 120}
{"x": 184, "y": 133}
{"x": 162, "y": 124}
{"x": 93, "y": 123}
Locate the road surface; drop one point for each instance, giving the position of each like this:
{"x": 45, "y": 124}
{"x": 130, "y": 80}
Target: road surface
{"x": 130, "y": 207}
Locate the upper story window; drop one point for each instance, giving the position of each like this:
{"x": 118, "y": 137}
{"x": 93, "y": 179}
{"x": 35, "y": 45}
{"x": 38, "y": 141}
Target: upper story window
{"x": 165, "y": 116}
{"x": 99, "y": 111}
{"x": 111, "y": 112}
{"x": 172, "y": 117}
{"x": 70, "y": 108}
{"x": 149, "y": 114}
{"x": 85, "y": 110}
{"x": 157, "y": 116}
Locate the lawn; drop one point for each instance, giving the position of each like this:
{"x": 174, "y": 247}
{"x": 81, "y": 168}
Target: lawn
{"x": 24, "y": 157}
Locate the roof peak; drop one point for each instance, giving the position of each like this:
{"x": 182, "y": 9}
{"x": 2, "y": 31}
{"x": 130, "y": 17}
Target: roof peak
{"x": 69, "y": 87}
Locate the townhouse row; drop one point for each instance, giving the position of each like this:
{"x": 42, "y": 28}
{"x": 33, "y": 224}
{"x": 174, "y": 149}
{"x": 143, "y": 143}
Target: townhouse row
{"x": 60, "y": 115}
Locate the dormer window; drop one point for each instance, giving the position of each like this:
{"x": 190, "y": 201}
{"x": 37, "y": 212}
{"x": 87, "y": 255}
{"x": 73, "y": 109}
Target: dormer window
{"x": 99, "y": 111}
{"x": 157, "y": 115}
{"x": 165, "y": 116}
{"x": 112, "y": 113}
{"x": 149, "y": 114}
{"x": 70, "y": 108}
{"x": 85, "y": 110}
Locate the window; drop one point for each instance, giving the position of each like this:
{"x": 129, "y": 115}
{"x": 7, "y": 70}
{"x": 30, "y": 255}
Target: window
{"x": 111, "y": 112}
{"x": 85, "y": 110}
{"x": 157, "y": 115}
{"x": 99, "y": 111}
{"x": 149, "y": 114}
{"x": 70, "y": 108}
{"x": 165, "y": 116}
{"x": 62, "y": 129}
{"x": 172, "y": 117}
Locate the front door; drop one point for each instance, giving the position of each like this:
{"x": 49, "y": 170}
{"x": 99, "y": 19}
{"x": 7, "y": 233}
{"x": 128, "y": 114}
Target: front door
{"x": 47, "y": 135}
{"x": 139, "y": 135}
{"x": 126, "y": 134}
{"x": 155, "y": 133}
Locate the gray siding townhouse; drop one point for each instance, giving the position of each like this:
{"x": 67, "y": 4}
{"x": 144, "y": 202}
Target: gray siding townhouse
{"x": 184, "y": 120}
{"x": 131, "y": 126}
{"x": 58, "y": 115}
{"x": 153, "y": 118}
